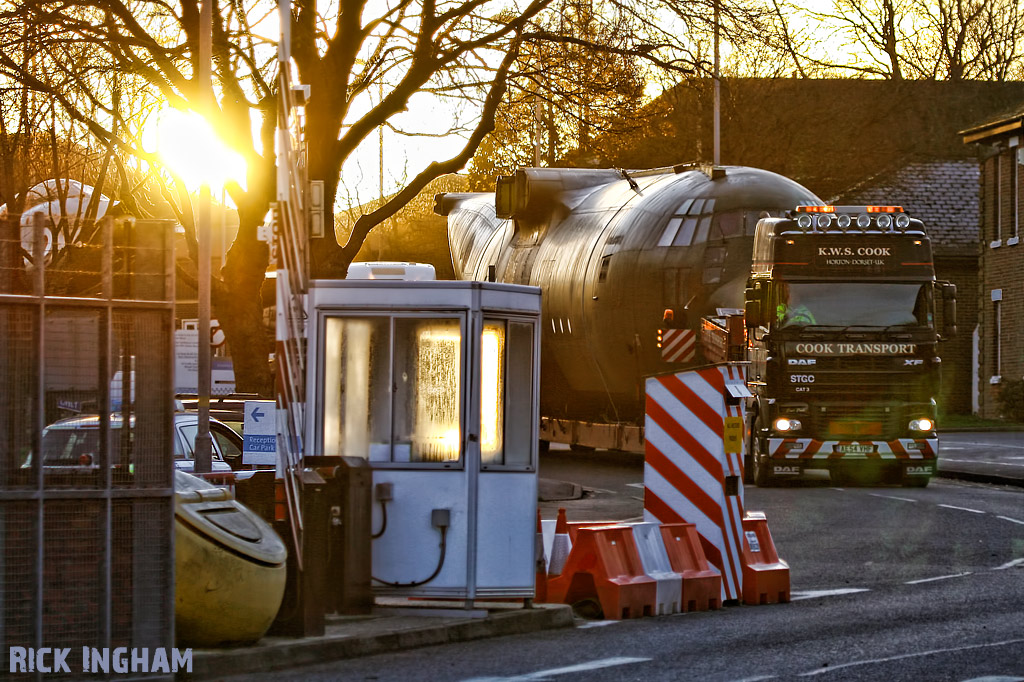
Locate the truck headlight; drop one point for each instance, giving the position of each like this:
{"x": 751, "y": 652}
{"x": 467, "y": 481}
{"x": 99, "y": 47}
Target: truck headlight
{"x": 922, "y": 424}
{"x": 786, "y": 424}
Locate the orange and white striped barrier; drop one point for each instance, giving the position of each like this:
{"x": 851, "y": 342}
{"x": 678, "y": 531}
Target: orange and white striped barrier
{"x": 693, "y": 472}
{"x": 605, "y": 565}
{"x": 765, "y": 575}
{"x": 668, "y": 556}
{"x": 686, "y": 468}
{"x": 678, "y": 345}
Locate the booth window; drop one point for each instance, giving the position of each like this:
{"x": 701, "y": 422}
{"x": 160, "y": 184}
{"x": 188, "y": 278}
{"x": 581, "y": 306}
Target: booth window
{"x": 392, "y": 389}
{"x": 506, "y": 393}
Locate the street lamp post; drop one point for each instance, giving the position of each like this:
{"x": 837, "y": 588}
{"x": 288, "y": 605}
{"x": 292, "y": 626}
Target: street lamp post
{"x": 204, "y": 446}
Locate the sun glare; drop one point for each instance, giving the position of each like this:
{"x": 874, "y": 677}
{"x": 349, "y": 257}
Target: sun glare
{"x": 190, "y": 148}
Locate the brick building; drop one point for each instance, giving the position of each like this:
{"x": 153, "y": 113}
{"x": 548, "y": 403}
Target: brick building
{"x": 1000, "y": 145}
{"x": 944, "y": 194}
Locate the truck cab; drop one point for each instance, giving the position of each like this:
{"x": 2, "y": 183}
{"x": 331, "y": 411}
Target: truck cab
{"x": 843, "y": 316}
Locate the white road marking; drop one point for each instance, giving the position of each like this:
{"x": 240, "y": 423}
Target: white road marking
{"x": 892, "y": 497}
{"x": 995, "y": 678}
{"x": 939, "y": 577}
{"x": 966, "y": 509}
{"x": 1009, "y": 564}
{"x": 634, "y": 485}
{"x": 597, "y": 624}
{"x": 1007, "y": 518}
{"x": 989, "y": 445}
{"x": 917, "y": 654}
{"x": 578, "y": 668}
{"x": 982, "y": 461}
{"x": 814, "y": 594}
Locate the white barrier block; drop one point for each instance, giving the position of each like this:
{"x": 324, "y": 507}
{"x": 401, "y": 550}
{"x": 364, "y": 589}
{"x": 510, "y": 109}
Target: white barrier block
{"x": 654, "y": 559}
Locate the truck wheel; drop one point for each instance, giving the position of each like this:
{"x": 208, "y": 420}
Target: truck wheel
{"x": 760, "y": 470}
{"x": 763, "y": 477}
{"x": 748, "y": 457}
{"x": 917, "y": 482}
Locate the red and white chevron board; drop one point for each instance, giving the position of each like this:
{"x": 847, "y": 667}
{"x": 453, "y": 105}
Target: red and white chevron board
{"x": 686, "y": 465}
{"x": 809, "y": 448}
{"x": 678, "y": 345}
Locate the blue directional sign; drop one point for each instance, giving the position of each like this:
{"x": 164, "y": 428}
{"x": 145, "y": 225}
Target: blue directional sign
{"x": 259, "y": 432}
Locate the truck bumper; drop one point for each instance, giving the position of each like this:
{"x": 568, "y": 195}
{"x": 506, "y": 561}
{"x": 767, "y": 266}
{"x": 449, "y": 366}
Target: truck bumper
{"x": 917, "y": 456}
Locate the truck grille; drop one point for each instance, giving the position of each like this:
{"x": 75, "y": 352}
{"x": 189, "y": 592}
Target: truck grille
{"x": 859, "y": 420}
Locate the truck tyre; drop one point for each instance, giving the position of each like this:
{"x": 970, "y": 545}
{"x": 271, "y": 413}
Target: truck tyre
{"x": 748, "y": 456}
{"x": 762, "y": 467}
{"x": 762, "y": 472}
{"x": 916, "y": 482}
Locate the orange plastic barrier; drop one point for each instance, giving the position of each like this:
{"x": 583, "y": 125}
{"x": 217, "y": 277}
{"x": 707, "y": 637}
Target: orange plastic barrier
{"x": 765, "y": 575}
{"x": 702, "y": 582}
{"x": 605, "y": 565}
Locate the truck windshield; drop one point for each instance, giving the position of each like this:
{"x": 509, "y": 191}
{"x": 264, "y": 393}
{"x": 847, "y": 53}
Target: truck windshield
{"x": 869, "y": 304}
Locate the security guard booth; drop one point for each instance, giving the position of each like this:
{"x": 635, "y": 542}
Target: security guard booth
{"x": 435, "y": 384}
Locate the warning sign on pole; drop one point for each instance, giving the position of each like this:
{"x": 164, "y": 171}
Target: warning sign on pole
{"x": 259, "y": 432}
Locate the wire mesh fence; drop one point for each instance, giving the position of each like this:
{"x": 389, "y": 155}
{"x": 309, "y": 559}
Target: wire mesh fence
{"x": 86, "y": 450}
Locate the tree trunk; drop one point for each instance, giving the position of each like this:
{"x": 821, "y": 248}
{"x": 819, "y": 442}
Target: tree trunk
{"x": 238, "y": 300}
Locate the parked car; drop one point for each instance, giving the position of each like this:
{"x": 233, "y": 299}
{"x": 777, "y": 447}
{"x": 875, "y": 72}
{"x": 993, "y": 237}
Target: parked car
{"x": 74, "y": 443}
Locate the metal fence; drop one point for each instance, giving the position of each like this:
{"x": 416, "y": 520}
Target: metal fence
{"x": 86, "y": 456}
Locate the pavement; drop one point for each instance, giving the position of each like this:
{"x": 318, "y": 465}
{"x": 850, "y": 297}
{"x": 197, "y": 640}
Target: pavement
{"x": 394, "y": 625}
{"x": 982, "y": 456}
{"x": 397, "y": 624}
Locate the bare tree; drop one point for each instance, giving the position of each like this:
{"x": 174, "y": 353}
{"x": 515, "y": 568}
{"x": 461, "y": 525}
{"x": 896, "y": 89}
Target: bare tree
{"x": 462, "y": 50}
{"x": 951, "y": 40}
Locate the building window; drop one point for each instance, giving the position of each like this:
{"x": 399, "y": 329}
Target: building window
{"x": 997, "y": 336}
{"x": 997, "y": 204}
{"x": 1014, "y": 224}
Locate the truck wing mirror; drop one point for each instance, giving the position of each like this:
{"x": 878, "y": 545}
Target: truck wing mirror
{"x": 753, "y": 308}
{"x": 948, "y": 290}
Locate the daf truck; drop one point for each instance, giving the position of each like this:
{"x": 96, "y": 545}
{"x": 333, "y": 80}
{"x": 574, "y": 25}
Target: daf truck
{"x": 844, "y": 316}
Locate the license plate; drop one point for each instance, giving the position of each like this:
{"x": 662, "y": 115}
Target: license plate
{"x": 855, "y": 449}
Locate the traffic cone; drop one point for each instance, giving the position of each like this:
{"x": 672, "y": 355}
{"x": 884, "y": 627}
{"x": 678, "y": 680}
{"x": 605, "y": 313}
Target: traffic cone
{"x": 541, "y": 581}
{"x": 561, "y": 546}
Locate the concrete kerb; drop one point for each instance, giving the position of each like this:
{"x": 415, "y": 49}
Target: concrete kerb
{"x": 977, "y": 477}
{"x": 364, "y": 636}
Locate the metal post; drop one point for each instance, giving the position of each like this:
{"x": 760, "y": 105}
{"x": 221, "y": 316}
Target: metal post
{"x": 204, "y": 446}
{"x": 717, "y": 105}
{"x": 39, "y": 420}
